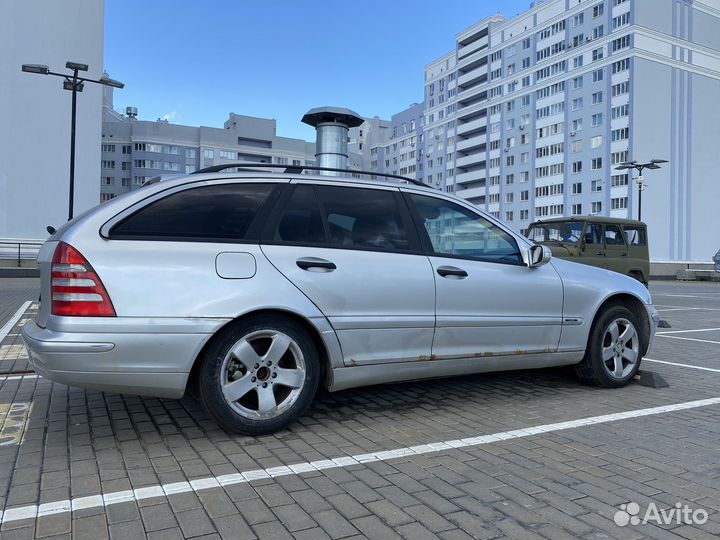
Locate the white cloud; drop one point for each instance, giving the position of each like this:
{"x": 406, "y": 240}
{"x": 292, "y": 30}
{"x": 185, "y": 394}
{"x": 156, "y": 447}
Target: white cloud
{"x": 169, "y": 117}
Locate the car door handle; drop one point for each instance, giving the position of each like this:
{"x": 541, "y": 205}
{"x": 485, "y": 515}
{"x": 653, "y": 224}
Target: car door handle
{"x": 452, "y": 272}
{"x": 599, "y": 253}
{"x": 306, "y": 263}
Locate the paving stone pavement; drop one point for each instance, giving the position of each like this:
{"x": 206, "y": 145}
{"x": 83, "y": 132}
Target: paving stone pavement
{"x": 561, "y": 484}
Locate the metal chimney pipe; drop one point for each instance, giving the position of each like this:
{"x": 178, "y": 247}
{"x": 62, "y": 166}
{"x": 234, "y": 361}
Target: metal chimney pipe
{"x": 331, "y": 125}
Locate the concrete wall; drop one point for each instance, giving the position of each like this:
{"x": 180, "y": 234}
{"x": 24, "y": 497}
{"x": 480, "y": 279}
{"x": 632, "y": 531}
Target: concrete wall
{"x": 35, "y": 113}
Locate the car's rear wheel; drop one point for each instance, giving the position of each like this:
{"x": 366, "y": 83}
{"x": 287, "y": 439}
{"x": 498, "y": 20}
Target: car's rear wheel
{"x": 614, "y": 349}
{"x": 259, "y": 376}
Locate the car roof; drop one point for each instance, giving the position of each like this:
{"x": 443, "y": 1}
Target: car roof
{"x": 591, "y": 219}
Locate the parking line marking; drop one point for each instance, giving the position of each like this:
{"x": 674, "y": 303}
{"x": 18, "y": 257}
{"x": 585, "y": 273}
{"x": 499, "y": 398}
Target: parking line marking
{"x": 94, "y": 501}
{"x": 5, "y": 330}
{"x": 686, "y": 331}
{"x": 690, "y": 339}
{"x": 681, "y": 365}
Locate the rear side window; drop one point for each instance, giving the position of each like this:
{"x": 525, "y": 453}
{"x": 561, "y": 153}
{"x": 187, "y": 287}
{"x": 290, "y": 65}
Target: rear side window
{"x": 352, "y": 218}
{"x": 219, "y": 212}
{"x": 613, "y": 236}
{"x": 636, "y": 235}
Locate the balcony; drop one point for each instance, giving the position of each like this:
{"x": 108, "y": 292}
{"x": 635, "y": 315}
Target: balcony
{"x": 470, "y": 48}
{"x": 472, "y": 76}
{"x": 469, "y": 128}
{"x": 472, "y": 176}
{"x": 474, "y": 60}
{"x": 473, "y": 95}
{"x": 472, "y": 143}
{"x": 471, "y": 193}
{"x": 472, "y": 159}
{"x": 471, "y": 111}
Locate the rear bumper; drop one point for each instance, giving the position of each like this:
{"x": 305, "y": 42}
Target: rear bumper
{"x": 144, "y": 363}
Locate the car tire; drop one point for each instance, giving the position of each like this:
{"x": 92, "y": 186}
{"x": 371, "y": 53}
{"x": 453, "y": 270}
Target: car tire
{"x": 614, "y": 349}
{"x": 259, "y": 376}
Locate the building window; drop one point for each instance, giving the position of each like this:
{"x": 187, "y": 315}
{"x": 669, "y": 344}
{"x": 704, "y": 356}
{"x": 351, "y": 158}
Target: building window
{"x": 526, "y": 43}
{"x": 125, "y": 182}
{"x": 577, "y": 103}
{"x": 578, "y": 19}
{"x": 577, "y": 82}
{"x": 577, "y": 209}
{"x": 618, "y": 203}
{"x": 597, "y": 207}
{"x": 208, "y": 153}
{"x": 577, "y": 167}
{"x": 598, "y": 53}
{"x": 619, "y": 180}
{"x": 126, "y": 149}
{"x": 190, "y": 153}
{"x": 108, "y": 147}
{"x": 620, "y": 43}
{"x": 596, "y": 142}
{"x": 107, "y": 181}
{"x": 577, "y": 188}
{"x": 596, "y": 163}
{"x": 598, "y": 10}
{"x": 597, "y": 75}
{"x": 596, "y": 185}
{"x": 107, "y": 163}
{"x": 104, "y": 197}
{"x": 597, "y": 97}
{"x": 596, "y": 120}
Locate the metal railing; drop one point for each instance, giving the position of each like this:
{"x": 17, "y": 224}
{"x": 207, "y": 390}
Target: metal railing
{"x": 19, "y": 251}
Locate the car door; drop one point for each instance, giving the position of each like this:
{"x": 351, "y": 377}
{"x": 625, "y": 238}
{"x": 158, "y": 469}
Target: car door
{"x": 593, "y": 245}
{"x": 488, "y": 302}
{"x": 355, "y": 253}
{"x": 616, "y": 249}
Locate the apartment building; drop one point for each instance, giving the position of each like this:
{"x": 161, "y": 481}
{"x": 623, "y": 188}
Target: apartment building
{"x": 528, "y": 117}
{"x": 135, "y": 150}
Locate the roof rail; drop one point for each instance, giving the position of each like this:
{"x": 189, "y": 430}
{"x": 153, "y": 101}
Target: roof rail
{"x": 296, "y": 169}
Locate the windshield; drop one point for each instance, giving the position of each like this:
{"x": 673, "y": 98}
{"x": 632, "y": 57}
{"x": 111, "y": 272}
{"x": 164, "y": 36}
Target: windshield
{"x": 567, "y": 232}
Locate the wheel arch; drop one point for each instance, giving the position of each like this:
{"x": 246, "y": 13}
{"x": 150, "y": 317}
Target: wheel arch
{"x": 634, "y": 304}
{"x": 323, "y": 348}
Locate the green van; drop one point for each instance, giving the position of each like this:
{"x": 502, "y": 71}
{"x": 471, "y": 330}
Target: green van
{"x": 616, "y": 244}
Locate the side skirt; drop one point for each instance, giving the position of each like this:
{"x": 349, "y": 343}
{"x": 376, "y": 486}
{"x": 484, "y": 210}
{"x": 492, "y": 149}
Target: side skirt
{"x": 351, "y": 377}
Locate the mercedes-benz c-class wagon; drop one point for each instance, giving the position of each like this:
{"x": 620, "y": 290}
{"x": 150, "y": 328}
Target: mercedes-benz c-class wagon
{"x": 257, "y": 288}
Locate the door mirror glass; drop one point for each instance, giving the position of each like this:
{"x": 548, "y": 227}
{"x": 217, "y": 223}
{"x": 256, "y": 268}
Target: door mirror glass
{"x": 538, "y": 255}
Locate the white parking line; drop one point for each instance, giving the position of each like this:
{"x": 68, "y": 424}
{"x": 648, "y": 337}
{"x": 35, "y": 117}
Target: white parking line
{"x": 165, "y": 490}
{"x": 686, "y": 331}
{"x": 681, "y": 365}
{"x": 5, "y": 330}
{"x": 690, "y": 339}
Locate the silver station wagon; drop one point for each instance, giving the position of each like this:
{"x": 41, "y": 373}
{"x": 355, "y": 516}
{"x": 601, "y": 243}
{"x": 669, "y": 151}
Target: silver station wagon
{"x": 255, "y": 288}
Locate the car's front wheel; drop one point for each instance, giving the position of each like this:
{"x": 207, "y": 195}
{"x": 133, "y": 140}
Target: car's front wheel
{"x": 259, "y": 376}
{"x": 614, "y": 348}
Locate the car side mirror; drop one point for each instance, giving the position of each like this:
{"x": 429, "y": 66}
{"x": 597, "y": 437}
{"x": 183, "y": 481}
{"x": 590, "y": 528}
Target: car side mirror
{"x": 538, "y": 255}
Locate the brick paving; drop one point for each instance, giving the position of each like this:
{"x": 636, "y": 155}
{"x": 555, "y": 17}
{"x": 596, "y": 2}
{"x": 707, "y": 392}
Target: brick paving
{"x": 561, "y": 484}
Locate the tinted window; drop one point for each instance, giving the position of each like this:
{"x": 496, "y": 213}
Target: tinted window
{"x": 212, "y": 212}
{"x": 301, "y": 221}
{"x": 613, "y": 236}
{"x": 363, "y": 218}
{"x": 456, "y": 230}
{"x": 636, "y": 235}
{"x": 355, "y": 218}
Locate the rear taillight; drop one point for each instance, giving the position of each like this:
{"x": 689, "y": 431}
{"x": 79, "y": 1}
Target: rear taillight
{"x": 76, "y": 289}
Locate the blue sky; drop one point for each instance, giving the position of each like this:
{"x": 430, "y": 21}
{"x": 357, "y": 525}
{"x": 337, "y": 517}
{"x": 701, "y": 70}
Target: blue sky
{"x": 197, "y": 61}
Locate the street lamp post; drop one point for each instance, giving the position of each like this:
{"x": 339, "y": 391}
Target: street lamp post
{"x": 75, "y": 84}
{"x": 652, "y": 164}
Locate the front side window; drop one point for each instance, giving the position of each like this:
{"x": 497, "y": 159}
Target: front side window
{"x": 352, "y": 218}
{"x": 593, "y": 234}
{"x": 457, "y": 231}
{"x": 221, "y": 212}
